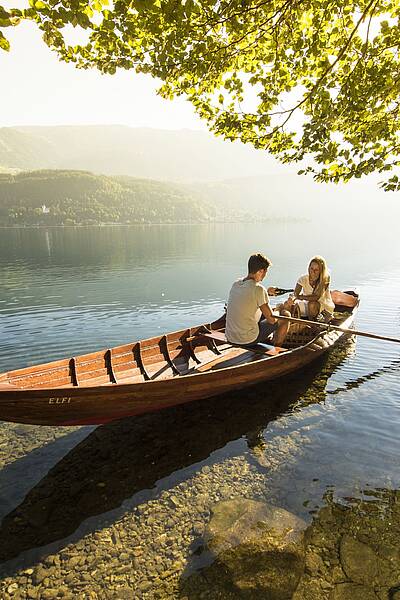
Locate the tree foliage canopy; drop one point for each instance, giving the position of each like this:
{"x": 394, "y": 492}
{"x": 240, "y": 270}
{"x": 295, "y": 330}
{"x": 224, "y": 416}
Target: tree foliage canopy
{"x": 302, "y": 79}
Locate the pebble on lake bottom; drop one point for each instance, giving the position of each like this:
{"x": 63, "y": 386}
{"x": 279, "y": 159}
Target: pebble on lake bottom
{"x": 155, "y": 552}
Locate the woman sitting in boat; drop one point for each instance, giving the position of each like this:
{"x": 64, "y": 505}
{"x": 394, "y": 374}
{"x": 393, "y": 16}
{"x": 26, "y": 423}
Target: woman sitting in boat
{"x": 312, "y": 294}
{"x": 248, "y": 303}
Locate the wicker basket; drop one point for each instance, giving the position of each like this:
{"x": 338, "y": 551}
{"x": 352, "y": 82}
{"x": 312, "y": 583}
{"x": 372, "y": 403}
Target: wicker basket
{"x": 299, "y": 333}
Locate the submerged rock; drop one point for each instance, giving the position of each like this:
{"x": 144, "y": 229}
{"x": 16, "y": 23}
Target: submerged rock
{"x": 259, "y": 548}
{"x": 352, "y": 591}
{"x": 358, "y": 560}
{"x": 240, "y": 520}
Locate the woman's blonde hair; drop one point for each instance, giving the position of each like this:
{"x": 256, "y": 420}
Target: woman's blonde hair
{"x": 324, "y": 278}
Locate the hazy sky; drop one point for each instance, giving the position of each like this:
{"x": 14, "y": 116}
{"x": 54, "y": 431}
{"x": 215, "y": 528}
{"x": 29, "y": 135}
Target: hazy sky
{"x": 38, "y": 89}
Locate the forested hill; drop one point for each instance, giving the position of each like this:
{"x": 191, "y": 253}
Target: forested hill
{"x": 79, "y": 197}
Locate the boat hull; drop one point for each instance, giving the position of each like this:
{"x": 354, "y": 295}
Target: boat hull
{"x": 104, "y": 403}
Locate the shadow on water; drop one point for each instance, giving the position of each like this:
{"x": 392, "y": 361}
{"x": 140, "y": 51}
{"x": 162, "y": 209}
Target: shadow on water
{"x": 22, "y": 474}
{"x": 118, "y": 460}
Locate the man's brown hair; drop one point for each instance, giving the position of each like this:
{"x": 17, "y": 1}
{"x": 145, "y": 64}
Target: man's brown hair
{"x": 257, "y": 262}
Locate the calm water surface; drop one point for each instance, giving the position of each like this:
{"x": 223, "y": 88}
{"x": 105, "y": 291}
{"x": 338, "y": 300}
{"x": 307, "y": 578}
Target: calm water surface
{"x": 333, "y": 429}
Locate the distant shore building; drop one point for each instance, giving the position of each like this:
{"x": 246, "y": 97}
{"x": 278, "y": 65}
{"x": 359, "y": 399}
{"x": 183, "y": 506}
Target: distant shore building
{"x": 45, "y": 210}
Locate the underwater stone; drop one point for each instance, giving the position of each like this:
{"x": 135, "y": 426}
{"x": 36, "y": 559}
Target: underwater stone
{"x": 351, "y": 591}
{"x": 240, "y": 520}
{"x": 358, "y": 560}
{"x": 259, "y": 546}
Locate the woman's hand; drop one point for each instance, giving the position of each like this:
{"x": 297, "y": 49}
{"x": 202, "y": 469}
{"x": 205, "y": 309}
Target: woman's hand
{"x": 287, "y": 305}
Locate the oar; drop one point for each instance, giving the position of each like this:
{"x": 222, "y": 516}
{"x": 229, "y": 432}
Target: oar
{"x": 338, "y": 328}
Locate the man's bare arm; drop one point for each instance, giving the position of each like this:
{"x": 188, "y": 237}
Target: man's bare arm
{"x": 268, "y": 314}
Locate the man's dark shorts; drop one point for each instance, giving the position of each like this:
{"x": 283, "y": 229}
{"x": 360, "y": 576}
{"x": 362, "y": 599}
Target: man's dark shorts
{"x": 265, "y": 330}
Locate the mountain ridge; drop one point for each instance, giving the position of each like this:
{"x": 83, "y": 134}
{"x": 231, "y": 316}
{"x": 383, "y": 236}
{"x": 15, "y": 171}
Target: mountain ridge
{"x": 172, "y": 155}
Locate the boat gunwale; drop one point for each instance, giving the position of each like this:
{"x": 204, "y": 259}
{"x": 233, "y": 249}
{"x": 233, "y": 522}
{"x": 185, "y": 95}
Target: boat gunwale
{"x": 76, "y": 390}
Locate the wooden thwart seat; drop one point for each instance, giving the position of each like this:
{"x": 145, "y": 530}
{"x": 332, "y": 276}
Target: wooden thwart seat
{"x": 219, "y": 336}
{"x": 236, "y": 355}
{"x": 228, "y": 359}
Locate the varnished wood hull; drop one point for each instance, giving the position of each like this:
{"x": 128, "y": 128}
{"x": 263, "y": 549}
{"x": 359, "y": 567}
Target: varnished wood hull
{"x": 80, "y": 404}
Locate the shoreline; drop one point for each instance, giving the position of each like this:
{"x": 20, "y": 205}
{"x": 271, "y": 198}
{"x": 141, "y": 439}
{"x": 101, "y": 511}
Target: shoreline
{"x": 102, "y": 225}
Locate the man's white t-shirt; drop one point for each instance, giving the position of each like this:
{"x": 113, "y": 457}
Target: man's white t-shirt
{"x": 243, "y": 311}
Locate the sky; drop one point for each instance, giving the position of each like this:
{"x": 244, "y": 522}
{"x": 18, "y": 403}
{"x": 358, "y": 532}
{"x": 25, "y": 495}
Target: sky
{"x": 38, "y": 89}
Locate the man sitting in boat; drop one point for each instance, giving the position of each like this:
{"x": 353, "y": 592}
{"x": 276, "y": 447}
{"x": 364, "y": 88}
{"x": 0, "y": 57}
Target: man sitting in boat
{"x": 248, "y": 303}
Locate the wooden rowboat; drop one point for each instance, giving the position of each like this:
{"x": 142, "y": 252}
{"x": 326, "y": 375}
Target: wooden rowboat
{"x": 156, "y": 373}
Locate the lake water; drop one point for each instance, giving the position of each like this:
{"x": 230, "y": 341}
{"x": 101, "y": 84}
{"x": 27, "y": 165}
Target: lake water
{"x": 325, "y": 437}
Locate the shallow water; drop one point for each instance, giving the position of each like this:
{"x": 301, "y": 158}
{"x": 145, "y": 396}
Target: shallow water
{"x": 135, "y": 497}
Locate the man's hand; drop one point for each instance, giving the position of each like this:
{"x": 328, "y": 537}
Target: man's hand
{"x": 271, "y": 291}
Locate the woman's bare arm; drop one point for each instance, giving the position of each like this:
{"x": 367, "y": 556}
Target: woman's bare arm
{"x": 299, "y": 296}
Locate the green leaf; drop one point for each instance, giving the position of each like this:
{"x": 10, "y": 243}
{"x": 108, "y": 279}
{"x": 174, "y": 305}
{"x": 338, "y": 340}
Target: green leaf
{"x": 295, "y": 78}
{"x": 4, "y": 43}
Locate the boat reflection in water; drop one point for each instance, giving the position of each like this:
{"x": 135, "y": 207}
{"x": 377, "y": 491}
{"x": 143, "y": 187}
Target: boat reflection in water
{"x": 130, "y": 457}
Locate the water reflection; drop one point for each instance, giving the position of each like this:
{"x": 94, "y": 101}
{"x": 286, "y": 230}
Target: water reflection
{"x": 392, "y": 367}
{"x": 66, "y": 291}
